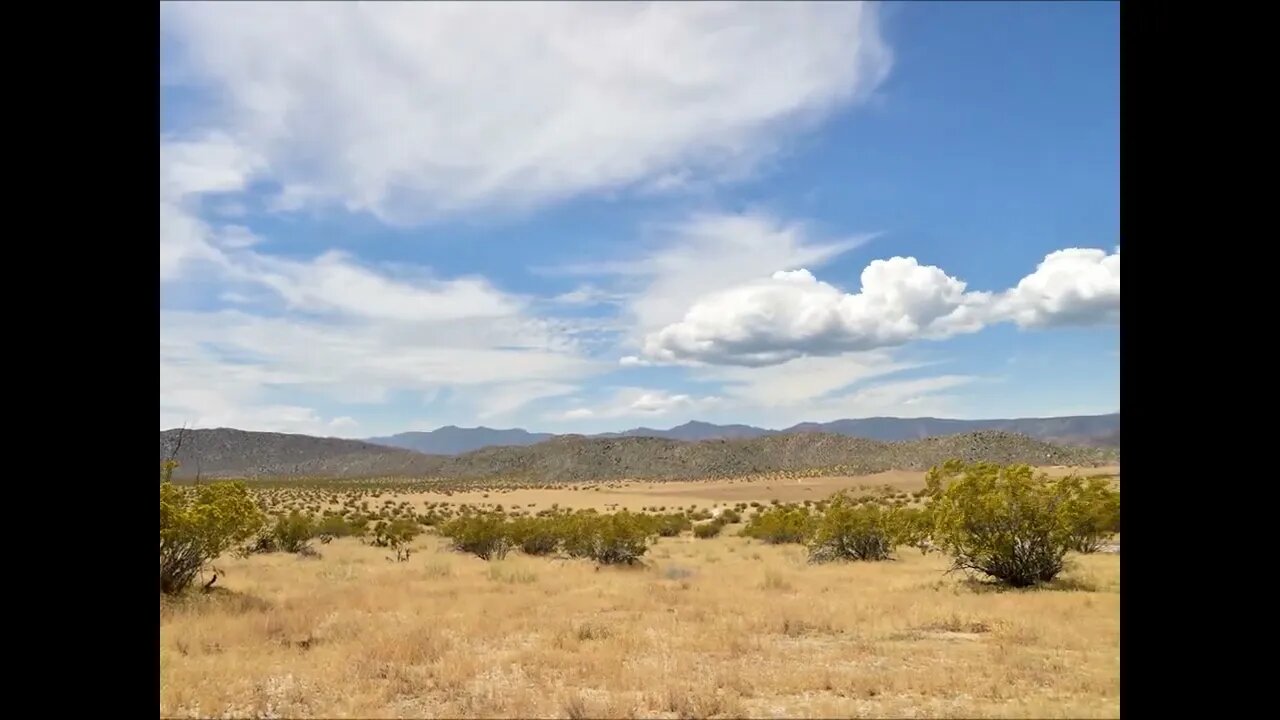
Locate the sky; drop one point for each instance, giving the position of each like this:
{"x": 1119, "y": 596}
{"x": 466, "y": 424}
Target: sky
{"x": 587, "y": 217}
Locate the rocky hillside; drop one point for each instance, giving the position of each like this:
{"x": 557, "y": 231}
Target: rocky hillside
{"x": 580, "y": 459}
{"x": 228, "y": 453}
{"x": 224, "y": 452}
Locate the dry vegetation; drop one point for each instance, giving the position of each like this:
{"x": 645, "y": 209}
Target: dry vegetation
{"x": 726, "y": 626}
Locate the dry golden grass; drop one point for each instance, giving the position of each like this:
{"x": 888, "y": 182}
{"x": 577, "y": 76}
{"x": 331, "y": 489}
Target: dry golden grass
{"x": 635, "y": 495}
{"x": 723, "y": 627}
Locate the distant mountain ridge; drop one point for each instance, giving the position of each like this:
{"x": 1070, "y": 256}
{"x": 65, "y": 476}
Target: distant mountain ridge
{"x": 454, "y": 440}
{"x": 1090, "y": 430}
{"x": 227, "y": 452}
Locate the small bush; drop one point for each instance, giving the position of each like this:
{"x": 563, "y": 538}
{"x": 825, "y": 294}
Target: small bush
{"x": 706, "y": 531}
{"x": 535, "y": 536}
{"x": 292, "y": 532}
{"x": 485, "y": 536}
{"x": 1093, "y": 515}
{"x": 729, "y": 517}
{"x": 854, "y": 531}
{"x": 335, "y": 526}
{"x": 781, "y": 525}
{"x": 396, "y": 533}
{"x": 198, "y": 526}
{"x": 1009, "y": 524}
{"x": 671, "y": 525}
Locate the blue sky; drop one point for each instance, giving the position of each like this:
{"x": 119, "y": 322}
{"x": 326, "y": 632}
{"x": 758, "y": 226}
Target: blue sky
{"x": 588, "y": 217}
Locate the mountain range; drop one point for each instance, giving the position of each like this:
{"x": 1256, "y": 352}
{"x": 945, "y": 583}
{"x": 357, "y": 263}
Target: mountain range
{"x": 1090, "y": 430}
{"x": 227, "y": 452}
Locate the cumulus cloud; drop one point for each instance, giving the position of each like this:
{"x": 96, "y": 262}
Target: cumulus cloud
{"x": 792, "y": 314}
{"x": 701, "y": 254}
{"x": 1077, "y": 286}
{"x": 414, "y": 110}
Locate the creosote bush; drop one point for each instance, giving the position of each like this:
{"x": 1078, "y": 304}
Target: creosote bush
{"x": 614, "y": 539}
{"x": 485, "y": 536}
{"x": 707, "y": 530}
{"x": 395, "y": 533}
{"x": 781, "y": 524}
{"x": 1010, "y": 524}
{"x": 850, "y": 530}
{"x": 293, "y": 532}
{"x": 199, "y": 524}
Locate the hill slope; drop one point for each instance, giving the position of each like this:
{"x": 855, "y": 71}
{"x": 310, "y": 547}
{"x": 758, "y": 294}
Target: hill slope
{"x": 225, "y": 452}
{"x": 229, "y": 453}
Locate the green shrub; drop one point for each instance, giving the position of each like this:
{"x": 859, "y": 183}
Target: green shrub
{"x": 485, "y": 536}
{"x": 396, "y": 533}
{"x": 335, "y": 526}
{"x": 850, "y": 530}
{"x": 706, "y": 531}
{"x": 620, "y": 539}
{"x": 671, "y": 525}
{"x": 780, "y": 525}
{"x": 730, "y": 516}
{"x": 1008, "y": 523}
{"x": 1094, "y": 514}
{"x": 199, "y": 525}
{"x": 535, "y": 536}
{"x": 292, "y": 532}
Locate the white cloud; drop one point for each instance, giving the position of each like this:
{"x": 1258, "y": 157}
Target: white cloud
{"x": 1076, "y": 286}
{"x": 701, "y": 254}
{"x": 506, "y": 399}
{"x": 587, "y": 294}
{"x": 792, "y": 314}
{"x": 801, "y": 382}
{"x": 413, "y": 110}
{"x": 639, "y": 402}
{"x": 904, "y": 398}
{"x": 344, "y": 422}
{"x": 190, "y": 169}
{"x": 335, "y": 282}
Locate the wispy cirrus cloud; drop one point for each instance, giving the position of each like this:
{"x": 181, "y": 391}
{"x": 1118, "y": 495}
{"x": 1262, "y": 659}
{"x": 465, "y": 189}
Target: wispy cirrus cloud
{"x": 411, "y": 111}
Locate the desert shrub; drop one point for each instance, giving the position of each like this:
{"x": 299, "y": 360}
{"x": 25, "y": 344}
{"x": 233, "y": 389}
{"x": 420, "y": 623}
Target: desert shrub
{"x": 359, "y": 525}
{"x": 620, "y": 539}
{"x": 1093, "y": 515}
{"x": 577, "y": 532}
{"x": 850, "y": 530}
{"x": 335, "y": 526}
{"x": 535, "y": 536}
{"x": 292, "y": 532}
{"x": 708, "y": 530}
{"x": 199, "y": 525}
{"x": 914, "y": 527}
{"x": 671, "y": 525}
{"x": 396, "y": 533}
{"x": 485, "y": 536}
{"x": 1006, "y": 522}
{"x": 780, "y": 525}
{"x": 730, "y": 516}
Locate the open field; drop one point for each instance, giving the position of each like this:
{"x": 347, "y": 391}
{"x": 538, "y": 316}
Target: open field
{"x": 726, "y": 627}
{"x": 636, "y": 495}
